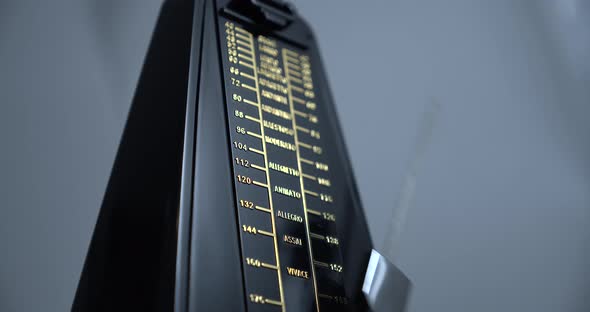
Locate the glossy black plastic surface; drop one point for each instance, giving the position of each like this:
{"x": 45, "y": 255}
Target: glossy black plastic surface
{"x": 215, "y": 280}
{"x": 167, "y": 235}
{"x": 131, "y": 261}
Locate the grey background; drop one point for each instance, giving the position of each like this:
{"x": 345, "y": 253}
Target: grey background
{"x": 501, "y": 218}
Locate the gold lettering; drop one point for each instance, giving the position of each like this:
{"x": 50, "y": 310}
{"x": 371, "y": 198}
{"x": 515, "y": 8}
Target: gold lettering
{"x": 275, "y": 111}
{"x": 324, "y": 182}
{"x": 292, "y": 240}
{"x": 298, "y": 273}
{"x": 267, "y": 41}
{"x": 276, "y": 127}
{"x": 275, "y": 97}
{"x": 289, "y": 216}
{"x": 272, "y": 76}
{"x": 269, "y": 60}
{"x": 271, "y": 68}
{"x": 287, "y": 192}
{"x": 272, "y": 85}
{"x": 321, "y": 166}
{"x": 283, "y": 169}
{"x": 327, "y": 198}
{"x": 280, "y": 143}
{"x": 268, "y": 50}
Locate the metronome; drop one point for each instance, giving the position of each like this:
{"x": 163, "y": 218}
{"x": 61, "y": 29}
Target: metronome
{"x": 232, "y": 189}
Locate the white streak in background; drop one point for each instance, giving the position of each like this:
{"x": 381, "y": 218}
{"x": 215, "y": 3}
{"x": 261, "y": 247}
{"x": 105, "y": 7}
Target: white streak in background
{"x": 408, "y": 188}
{"x": 568, "y": 22}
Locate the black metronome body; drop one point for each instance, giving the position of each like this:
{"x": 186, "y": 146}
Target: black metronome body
{"x": 231, "y": 189}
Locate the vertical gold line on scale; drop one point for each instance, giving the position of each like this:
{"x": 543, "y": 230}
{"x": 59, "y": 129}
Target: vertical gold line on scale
{"x": 294, "y": 122}
{"x": 269, "y": 188}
